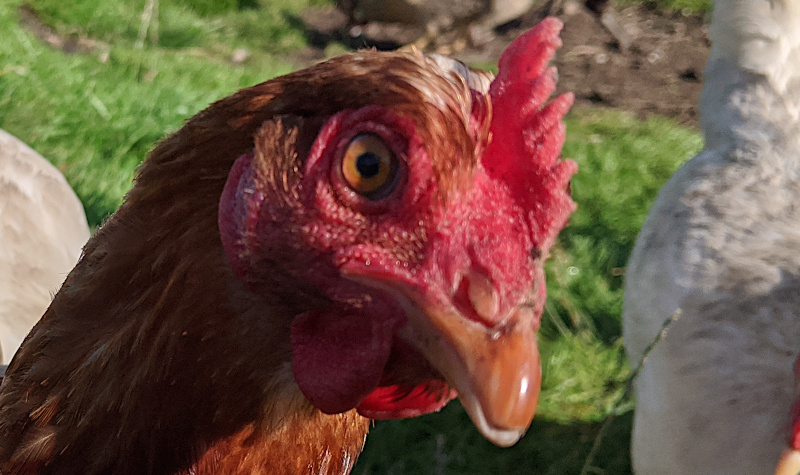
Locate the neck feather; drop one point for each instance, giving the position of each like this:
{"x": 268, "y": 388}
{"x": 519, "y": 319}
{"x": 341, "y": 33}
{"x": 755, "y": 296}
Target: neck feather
{"x": 750, "y": 105}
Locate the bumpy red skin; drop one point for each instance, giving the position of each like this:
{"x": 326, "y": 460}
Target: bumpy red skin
{"x": 421, "y": 237}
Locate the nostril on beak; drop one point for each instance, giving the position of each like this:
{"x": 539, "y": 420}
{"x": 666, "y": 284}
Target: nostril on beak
{"x": 477, "y": 298}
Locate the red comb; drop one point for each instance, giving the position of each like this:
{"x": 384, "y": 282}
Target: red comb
{"x": 527, "y": 136}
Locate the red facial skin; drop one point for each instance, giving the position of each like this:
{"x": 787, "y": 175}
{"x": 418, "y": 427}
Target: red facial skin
{"x": 433, "y": 244}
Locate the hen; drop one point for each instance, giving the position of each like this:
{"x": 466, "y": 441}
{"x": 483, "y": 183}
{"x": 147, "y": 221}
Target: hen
{"x": 361, "y": 239}
{"x": 720, "y": 246}
{"x": 42, "y": 230}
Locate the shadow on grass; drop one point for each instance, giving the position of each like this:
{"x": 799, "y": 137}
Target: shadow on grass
{"x": 448, "y": 443}
{"x": 321, "y": 30}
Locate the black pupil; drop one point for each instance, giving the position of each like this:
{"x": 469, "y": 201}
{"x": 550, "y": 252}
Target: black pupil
{"x": 368, "y": 164}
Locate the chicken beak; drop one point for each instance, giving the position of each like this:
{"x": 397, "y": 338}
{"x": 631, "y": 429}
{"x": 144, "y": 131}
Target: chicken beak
{"x": 496, "y": 371}
{"x": 789, "y": 463}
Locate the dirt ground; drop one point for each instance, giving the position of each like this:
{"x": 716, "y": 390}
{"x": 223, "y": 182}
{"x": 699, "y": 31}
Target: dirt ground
{"x": 659, "y": 73}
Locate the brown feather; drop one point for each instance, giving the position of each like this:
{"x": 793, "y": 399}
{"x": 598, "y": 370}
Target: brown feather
{"x": 153, "y": 358}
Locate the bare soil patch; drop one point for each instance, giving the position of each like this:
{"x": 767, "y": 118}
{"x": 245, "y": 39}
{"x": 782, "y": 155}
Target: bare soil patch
{"x": 659, "y": 74}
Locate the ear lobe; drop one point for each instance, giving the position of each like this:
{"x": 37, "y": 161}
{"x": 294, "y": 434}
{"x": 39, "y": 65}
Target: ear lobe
{"x": 267, "y": 174}
{"x": 236, "y": 216}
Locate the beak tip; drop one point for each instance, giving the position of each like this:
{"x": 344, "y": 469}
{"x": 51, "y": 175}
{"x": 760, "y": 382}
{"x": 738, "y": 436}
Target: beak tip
{"x": 501, "y": 431}
{"x": 500, "y": 437}
{"x": 789, "y": 463}
{"x": 504, "y": 438}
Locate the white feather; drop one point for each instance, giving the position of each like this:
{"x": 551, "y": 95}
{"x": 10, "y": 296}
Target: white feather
{"x": 722, "y": 244}
{"x": 42, "y": 231}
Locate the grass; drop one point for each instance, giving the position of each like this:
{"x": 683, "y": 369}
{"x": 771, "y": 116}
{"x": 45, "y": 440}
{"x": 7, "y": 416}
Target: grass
{"x": 623, "y": 163}
{"x": 96, "y": 114}
{"x": 685, "y": 7}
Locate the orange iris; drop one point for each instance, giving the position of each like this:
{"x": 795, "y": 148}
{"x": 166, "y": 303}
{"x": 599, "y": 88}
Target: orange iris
{"x": 369, "y": 167}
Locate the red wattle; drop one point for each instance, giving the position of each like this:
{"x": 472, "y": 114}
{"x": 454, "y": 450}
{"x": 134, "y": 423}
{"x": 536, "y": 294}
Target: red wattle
{"x": 402, "y": 401}
{"x": 338, "y": 356}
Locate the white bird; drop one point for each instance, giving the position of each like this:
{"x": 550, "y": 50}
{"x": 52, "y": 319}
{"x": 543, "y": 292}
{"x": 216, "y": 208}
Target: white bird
{"x": 42, "y": 231}
{"x": 722, "y": 245}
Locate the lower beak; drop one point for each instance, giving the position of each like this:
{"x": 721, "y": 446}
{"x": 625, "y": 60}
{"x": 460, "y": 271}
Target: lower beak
{"x": 496, "y": 371}
{"x": 789, "y": 463}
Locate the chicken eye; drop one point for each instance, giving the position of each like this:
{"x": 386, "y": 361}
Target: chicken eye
{"x": 369, "y": 167}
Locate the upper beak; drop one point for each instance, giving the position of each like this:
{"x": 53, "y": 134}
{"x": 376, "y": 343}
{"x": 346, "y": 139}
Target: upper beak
{"x": 496, "y": 372}
{"x": 789, "y": 463}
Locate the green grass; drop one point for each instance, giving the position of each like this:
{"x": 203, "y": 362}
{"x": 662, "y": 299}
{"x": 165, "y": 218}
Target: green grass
{"x": 96, "y": 118}
{"x": 623, "y": 163}
{"x": 216, "y": 26}
{"x": 686, "y": 7}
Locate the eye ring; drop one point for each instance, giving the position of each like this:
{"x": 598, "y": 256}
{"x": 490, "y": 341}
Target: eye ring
{"x": 369, "y": 167}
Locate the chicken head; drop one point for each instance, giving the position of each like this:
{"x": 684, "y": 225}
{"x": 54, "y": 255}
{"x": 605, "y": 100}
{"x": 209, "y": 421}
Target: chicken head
{"x": 417, "y": 218}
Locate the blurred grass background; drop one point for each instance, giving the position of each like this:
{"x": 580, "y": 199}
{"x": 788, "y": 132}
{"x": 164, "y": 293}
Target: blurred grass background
{"x": 97, "y": 111}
